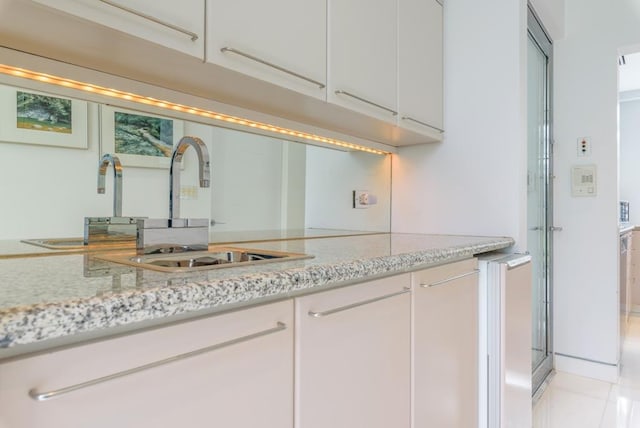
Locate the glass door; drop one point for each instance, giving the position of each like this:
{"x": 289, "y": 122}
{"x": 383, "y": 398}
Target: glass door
{"x": 539, "y": 187}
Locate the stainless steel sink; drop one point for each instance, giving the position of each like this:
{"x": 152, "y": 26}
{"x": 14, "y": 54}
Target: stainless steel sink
{"x": 215, "y": 258}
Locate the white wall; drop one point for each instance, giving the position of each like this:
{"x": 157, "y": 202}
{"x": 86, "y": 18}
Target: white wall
{"x": 630, "y": 153}
{"x": 474, "y": 182}
{"x": 586, "y": 261}
{"x": 332, "y": 176}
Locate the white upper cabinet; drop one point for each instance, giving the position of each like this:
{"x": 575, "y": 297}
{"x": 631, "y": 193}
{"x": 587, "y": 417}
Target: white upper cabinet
{"x": 420, "y": 60}
{"x": 176, "y": 25}
{"x": 279, "y": 41}
{"x": 362, "y": 55}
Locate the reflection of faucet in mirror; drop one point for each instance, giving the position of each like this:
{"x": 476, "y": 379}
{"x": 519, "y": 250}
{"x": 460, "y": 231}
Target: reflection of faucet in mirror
{"x": 175, "y": 234}
{"x": 116, "y": 229}
{"x": 117, "y": 181}
{"x": 174, "y": 171}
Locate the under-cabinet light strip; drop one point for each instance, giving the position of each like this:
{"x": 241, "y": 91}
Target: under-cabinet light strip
{"x": 128, "y": 96}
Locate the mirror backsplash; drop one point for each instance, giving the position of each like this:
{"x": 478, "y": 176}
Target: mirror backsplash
{"x": 49, "y": 164}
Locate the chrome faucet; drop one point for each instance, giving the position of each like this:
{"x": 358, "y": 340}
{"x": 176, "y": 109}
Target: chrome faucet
{"x": 176, "y": 234}
{"x": 116, "y": 229}
{"x": 117, "y": 181}
{"x": 174, "y": 171}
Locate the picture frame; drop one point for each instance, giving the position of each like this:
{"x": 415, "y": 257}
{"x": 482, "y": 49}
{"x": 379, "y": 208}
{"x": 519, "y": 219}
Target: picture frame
{"x": 43, "y": 119}
{"x": 138, "y": 139}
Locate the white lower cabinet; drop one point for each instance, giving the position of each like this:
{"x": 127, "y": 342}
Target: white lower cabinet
{"x": 445, "y": 346}
{"x": 242, "y": 379}
{"x": 353, "y": 356}
{"x": 396, "y": 352}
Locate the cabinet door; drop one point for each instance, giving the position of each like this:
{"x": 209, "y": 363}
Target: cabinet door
{"x": 635, "y": 272}
{"x": 420, "y": 81}
{"x": 363, "y": 56}
{"x": 353, "y": 356}
{"x": 244, "y": 381}
{"x": 445, "y": 346}
{"x": 178, "y": 26}
{"x": 279, "y": 41}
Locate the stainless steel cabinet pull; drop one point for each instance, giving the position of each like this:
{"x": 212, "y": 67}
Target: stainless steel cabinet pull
{"x": 555, "y": 229}
{"x": 419, "y": 122}
{"x": 269, "y": 64}
{"x": 444, "y": 281}
{"x": 355, "y": 305}
{"x": 43, "y": 396}
{"x": 393, "y": 112}
{"x": 191, "y": 34}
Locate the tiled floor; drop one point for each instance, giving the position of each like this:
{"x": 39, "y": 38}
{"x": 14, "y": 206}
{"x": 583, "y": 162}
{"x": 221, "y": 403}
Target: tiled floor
{"x": 576, "y": 402}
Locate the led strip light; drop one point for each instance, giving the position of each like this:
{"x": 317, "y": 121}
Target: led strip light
{"x": 128, "y": 96}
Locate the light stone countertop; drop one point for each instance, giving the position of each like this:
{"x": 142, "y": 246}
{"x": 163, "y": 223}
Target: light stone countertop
{"x": 57, "y": 300}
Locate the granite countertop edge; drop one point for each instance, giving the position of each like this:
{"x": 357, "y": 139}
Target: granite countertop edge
{"x": 39, "y": 322}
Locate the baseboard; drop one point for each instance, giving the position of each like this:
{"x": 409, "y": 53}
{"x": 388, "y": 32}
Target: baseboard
{"x": 592, "y": 369}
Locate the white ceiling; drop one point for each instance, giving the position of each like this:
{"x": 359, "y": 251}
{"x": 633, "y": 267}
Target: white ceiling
{"x": 629, "y": 76}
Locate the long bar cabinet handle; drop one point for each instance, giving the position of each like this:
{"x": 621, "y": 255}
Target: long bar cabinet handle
{"x": 44, "y": 396}
{"x": 191, "y": 34}
{"x": 348, "y": 94}
{"x": 272, "y": 65}
{"x": 419, "y": 122}
{"x": 355, "y": 305}
{"x": 444, "y": 281}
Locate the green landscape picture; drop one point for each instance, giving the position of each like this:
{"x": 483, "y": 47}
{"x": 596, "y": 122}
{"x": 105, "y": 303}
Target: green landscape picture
{"x": 43, "y": 113}
{"x": 143, "y": 135}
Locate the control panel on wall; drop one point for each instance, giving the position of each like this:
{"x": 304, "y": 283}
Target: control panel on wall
{"x": 583, "y": 180}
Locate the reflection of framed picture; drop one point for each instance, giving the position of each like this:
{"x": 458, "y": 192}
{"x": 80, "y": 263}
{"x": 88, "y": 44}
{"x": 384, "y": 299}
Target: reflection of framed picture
{"x": 33, "y": 117}
{"x": 138, "y": 139}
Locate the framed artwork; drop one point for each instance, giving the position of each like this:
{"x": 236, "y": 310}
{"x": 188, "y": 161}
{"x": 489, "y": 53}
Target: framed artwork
{"x": 32, "y": 117}
{"x": 138, "y": 139}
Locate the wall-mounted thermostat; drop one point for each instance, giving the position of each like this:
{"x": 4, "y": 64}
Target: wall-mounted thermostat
{"x": 583, "y": 180}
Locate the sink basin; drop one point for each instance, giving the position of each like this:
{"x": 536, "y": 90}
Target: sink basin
{"x": 215, "y": 258}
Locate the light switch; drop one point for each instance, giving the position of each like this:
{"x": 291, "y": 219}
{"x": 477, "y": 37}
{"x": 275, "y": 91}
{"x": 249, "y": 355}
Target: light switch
{"x": 584, "y": 146}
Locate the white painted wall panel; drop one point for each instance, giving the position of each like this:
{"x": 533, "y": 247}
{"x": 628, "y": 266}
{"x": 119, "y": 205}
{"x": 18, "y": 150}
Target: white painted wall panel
{"x": 586, "y": 271}
{"x": 475, "y": 181}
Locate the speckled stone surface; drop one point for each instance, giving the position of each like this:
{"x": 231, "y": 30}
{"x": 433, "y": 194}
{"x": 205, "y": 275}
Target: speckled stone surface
{"x": 44, "y": 298}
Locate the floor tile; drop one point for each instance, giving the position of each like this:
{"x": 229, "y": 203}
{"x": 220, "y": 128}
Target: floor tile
{"x": 609, "y": 419}
{"x": 582, "y": 385}
{"x": 560, "y": 408}
{"x": 574, "y": 401}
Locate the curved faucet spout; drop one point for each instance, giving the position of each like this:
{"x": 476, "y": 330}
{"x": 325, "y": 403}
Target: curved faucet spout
{"x": 174, "y": 171}
{"x": 117, "y": 180}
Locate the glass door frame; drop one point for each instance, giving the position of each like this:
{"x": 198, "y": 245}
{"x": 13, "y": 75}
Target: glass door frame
{"x": 540, "y": 37}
